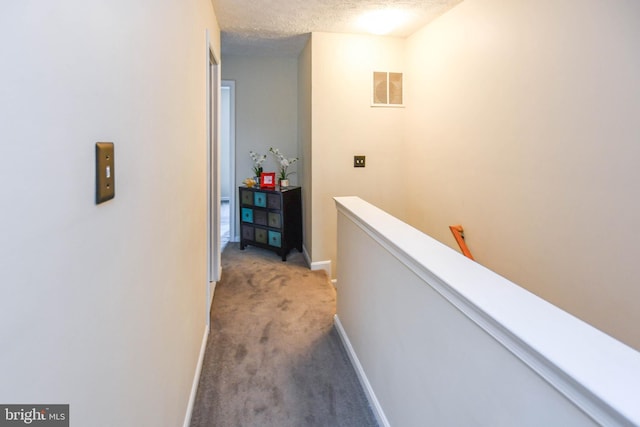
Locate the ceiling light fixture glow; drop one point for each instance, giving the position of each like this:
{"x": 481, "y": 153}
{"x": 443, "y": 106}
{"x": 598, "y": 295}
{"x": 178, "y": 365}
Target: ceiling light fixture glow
{"x": 384, "y": 21}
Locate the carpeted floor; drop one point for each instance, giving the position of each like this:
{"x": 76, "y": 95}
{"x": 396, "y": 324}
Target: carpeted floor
{"x": 273, "y": 356}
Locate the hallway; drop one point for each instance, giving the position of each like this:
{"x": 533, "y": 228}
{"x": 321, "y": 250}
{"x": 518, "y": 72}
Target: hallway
{"x": 225, "y": 224}
{"x": 273, "y": 357}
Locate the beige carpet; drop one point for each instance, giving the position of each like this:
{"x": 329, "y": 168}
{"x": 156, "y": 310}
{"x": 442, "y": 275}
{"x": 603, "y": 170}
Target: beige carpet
{"x": 273, "y": 357}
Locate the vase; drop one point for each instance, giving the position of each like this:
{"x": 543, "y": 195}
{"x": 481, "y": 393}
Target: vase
{"x": 284, "y": 183}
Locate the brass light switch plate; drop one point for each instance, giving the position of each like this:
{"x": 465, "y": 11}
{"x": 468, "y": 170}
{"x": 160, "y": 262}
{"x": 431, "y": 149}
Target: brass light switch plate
{"x": 105, "y": 172}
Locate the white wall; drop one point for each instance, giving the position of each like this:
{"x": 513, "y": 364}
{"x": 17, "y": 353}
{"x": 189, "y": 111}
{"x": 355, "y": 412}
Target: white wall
{"x": 305, "y": 125}
{"x": 225, "y": 143}
{"x": 433, "y": 339}
{"x": 103, "y": 306}
{"x": 522, "y": 125}
{"x": 344, "y": 124}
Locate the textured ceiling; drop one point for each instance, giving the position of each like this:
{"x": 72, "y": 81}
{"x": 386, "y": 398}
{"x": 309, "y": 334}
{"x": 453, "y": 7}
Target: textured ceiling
{"x": 281, "y": 27}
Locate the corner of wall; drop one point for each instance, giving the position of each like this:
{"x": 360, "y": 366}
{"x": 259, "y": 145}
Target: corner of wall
{"x": 317, "y": 265}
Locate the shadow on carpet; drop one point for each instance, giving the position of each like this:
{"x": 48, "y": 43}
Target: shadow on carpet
{"x": 273, "y": 357}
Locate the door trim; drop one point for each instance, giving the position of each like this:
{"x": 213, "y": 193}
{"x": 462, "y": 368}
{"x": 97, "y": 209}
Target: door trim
{"x": 213, "y": 173}
{"x": 233, "y": 235}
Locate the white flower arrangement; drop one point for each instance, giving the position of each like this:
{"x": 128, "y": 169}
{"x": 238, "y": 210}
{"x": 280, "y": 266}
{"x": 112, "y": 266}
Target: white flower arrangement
{"x": 258, "y": 159}
{"x": 283, "y": 162}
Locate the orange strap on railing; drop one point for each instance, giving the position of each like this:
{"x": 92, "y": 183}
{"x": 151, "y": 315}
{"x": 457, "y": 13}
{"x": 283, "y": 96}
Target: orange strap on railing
{"x": 458, "y": 234}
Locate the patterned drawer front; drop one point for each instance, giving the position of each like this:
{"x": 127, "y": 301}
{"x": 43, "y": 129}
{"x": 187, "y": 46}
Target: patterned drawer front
{"x": 247, "y": 232}
{"x": 274, "y": 220}
{"x": 247, "y": 197}
{"x": 275, "y": 239}
{"x": 261, "y": 235}
{"x": 260, "y": 199}
{"x": 260, "y": 217}
{"x": 273, "y": 201}
{"x": 247, "y": 215}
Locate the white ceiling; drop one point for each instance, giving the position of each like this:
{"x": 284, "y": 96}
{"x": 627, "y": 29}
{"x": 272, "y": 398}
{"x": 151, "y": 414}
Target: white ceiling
{"x": 281, "y": 27}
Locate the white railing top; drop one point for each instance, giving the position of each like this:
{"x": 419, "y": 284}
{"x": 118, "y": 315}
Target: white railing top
{"x": 598, "y": 373}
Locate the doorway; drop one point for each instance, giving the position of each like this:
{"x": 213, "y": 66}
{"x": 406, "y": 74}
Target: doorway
{"x": 227, "y": 166}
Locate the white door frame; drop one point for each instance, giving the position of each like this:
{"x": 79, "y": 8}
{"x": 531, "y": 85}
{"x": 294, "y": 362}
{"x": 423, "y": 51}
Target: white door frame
{"x": 214, "y": 267}
{"x": 231, "y": 84}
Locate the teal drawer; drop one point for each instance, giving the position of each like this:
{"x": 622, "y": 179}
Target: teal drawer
{"x": 247, "y": 215}
{"x": 261, "y": 235}
{"x": 275, "y": 239}
{"x": 274, "y": 220}
{"x": 260, "y": 199}
{"x": 247, "y": 197}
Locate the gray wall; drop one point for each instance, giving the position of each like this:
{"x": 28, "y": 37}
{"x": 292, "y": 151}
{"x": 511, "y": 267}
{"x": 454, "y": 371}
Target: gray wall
{"x": 266, "y": 110}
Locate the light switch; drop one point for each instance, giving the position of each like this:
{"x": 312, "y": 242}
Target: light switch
{"x": 105, "y": 172}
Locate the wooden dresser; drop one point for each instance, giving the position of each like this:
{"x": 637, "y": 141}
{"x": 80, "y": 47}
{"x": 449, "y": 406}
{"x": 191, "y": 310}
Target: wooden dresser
{"x": 271, "y": 219}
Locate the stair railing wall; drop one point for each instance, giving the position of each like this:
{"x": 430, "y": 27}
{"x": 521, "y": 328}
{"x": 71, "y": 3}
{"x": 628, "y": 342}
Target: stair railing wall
{"x": 438, "y": 339}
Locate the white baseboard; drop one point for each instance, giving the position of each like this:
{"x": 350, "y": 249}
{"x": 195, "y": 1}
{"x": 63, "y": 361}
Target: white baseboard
{"x": 318, "y": 265}
{"x": 210, "y": 292}
{"x": 322, "y": 265}
{"x": 196, "y": 378}
{"x": 364, "y": 381}
{"x": 307, "y": 258}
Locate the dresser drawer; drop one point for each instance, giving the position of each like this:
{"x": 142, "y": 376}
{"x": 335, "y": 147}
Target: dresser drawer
{"x": 261, "y": 235}
{"x": 247, "y": 197}
{"x": 260, "y": 199}
{"x": 275, "y": 239}
{"x": 247, "y": 214}
{"x": 247, "y": 232}
{"x": 273, "y": 201}
{"x": 260, "y": 217}
{"x": 275, "y": 220}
